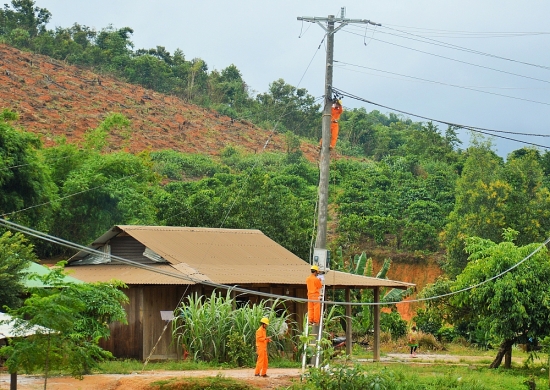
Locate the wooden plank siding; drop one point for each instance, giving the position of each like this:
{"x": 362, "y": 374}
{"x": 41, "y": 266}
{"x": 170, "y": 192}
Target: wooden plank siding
{"x": 145, "y": 325}
{"x": 126, "y": 341}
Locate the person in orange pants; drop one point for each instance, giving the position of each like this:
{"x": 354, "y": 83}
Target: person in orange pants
{"x": 313, "y": 292}
{"x": 261, "y": 348}
{"x": 335, "y": 113}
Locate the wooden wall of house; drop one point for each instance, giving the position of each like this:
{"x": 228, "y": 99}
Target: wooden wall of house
{"x": 126, "y": 341}
{"x": 145, "y": 325}
{"x": 155, "y": 300}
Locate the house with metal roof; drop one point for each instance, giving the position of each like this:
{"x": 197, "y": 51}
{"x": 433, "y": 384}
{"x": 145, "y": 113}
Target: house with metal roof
{"x": 162, "y": 264}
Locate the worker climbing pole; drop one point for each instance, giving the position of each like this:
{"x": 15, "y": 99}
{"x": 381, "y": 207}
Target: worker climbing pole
{"x": 320, "y": 251}
{"x": 316, "y": 294}
{"x": 335, "y": 112}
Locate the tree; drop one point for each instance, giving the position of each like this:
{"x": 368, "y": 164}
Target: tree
{"x": 24, "y": 179}
{"x": 69, "y": 320}
{"x": 15, "y": 255}
{"x": 24, "y": 15}
{"x": 528, "y": 205}
{"x": 480, "y": 208}
{"x": 512, "y": 308}
{"x": 293, "y": 108}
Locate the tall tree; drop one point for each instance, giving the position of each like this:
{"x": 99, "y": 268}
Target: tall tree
{"x": 25, "y": 181}
{"x": 23, "y": 15}
{"x": 15, "y": 255}
{"x": 513, "y": 307}
{"x": 480, "y": 207}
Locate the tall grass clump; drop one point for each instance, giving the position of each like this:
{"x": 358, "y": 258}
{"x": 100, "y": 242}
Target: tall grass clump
{"x": 209, "y": 329}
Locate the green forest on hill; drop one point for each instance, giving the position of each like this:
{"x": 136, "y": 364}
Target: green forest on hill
{"x": 405, "y": 186}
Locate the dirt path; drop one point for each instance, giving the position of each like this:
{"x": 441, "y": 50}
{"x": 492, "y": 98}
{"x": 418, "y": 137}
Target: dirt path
{"x": 277, "y": 377}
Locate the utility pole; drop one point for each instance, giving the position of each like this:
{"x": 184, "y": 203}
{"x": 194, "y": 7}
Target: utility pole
{"x": 320, "y": 254}
{"x": 324, "y": 163}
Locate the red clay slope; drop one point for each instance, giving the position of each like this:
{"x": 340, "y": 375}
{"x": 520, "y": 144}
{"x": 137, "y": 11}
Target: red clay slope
{"x": 55, "y": 99}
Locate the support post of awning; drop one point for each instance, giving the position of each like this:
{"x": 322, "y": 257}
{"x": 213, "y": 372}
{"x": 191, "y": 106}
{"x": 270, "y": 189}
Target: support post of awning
{"x": 348, "y": 323}
{"x": 376, "y": 341}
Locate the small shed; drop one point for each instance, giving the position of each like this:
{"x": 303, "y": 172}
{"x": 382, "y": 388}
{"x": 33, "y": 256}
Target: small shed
{"x": 234, "y": 257}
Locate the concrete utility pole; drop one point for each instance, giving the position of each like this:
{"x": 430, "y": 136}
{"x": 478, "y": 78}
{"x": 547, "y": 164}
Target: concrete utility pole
{"x": 320, "y": 253}
{"x": 321, "y": 239}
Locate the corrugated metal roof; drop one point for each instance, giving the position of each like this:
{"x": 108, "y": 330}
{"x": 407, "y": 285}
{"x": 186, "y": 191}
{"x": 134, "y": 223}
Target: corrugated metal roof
{"x": 229, "y": 256}
{"x": 9, "y": 330}
{"x": 126, "y": 273}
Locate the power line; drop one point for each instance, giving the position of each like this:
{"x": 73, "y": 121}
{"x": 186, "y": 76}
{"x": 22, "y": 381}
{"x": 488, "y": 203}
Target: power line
{"x": 404, "y": 77}
{"x": 472, "y": 128}
{"x": 481, "y": 34}
{"x": 453, "y": 59}
{"x": 460, "y": 48}
{"x": 446, "y": 84}
{"x": 447, "y": 45}
{"x": 68, "y": 196}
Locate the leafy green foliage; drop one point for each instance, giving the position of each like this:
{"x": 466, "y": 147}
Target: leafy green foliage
{"x": 15, "y": 255}
{"x": 349, "y": 377}
{"x": 392, "y": 204}
{"x": 492, "y": 195}
{"x": 68, "y": 321}
{"x": 238, "y": 351}
{"x": 278, "y": 204}
{"x": 23, "y": 16}
{"x": 210, "y": 329}
{"x": 24, "y": 179}
{"x": 393, "y": 323}
{"x": 512, "y": 307}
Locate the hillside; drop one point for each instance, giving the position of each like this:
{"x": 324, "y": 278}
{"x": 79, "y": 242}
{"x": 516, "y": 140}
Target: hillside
{"x": 54, "y": 99}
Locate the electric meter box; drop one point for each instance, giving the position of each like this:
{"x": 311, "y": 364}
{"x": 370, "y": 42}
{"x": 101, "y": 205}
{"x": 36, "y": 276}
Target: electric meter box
{"x": 321, "y": 258}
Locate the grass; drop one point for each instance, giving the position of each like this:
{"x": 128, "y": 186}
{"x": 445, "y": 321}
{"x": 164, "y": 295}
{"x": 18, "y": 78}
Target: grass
{"x": 214, "y": 383}
{"x": 453, "y": 367}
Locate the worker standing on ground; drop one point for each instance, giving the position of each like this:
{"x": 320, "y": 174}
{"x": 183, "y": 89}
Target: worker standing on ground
{"x": 313, "y": 293}
{"x": 261, "y": 348}
{"x": 413, "y": 341}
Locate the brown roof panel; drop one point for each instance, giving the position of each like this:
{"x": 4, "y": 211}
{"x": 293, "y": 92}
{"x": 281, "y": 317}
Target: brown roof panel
{"x": 126, "y": 273}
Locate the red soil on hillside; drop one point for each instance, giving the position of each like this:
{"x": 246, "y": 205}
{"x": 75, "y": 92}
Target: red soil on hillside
{"x": 54, "y": 99}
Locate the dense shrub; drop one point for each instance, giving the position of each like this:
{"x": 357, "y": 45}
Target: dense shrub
{"x": 394, "y": 324}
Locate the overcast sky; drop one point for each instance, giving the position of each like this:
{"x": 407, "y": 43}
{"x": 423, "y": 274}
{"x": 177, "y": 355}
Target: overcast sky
{"x": 264, "y": 39}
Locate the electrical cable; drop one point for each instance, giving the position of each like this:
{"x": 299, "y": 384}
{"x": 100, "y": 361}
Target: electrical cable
{"x": 453, "y": 59}
{"x": 435, "y": 42}
{"x": 69, "y": 244}
{"x": 460, "y": 48}
{"x": 472, "y": 128}
{"x": 68, "y": 196}
{"x": 482, "y": 34}
{"x": 446, "y": 84}
{"x": 312, "y": 58}
{"x": 406, "y": 78}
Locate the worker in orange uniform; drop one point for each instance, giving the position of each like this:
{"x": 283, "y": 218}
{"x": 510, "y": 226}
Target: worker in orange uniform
{"x": 335, "y": 113}
{"x": 313, "y": 293}
{"x": 261, "y": 348}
